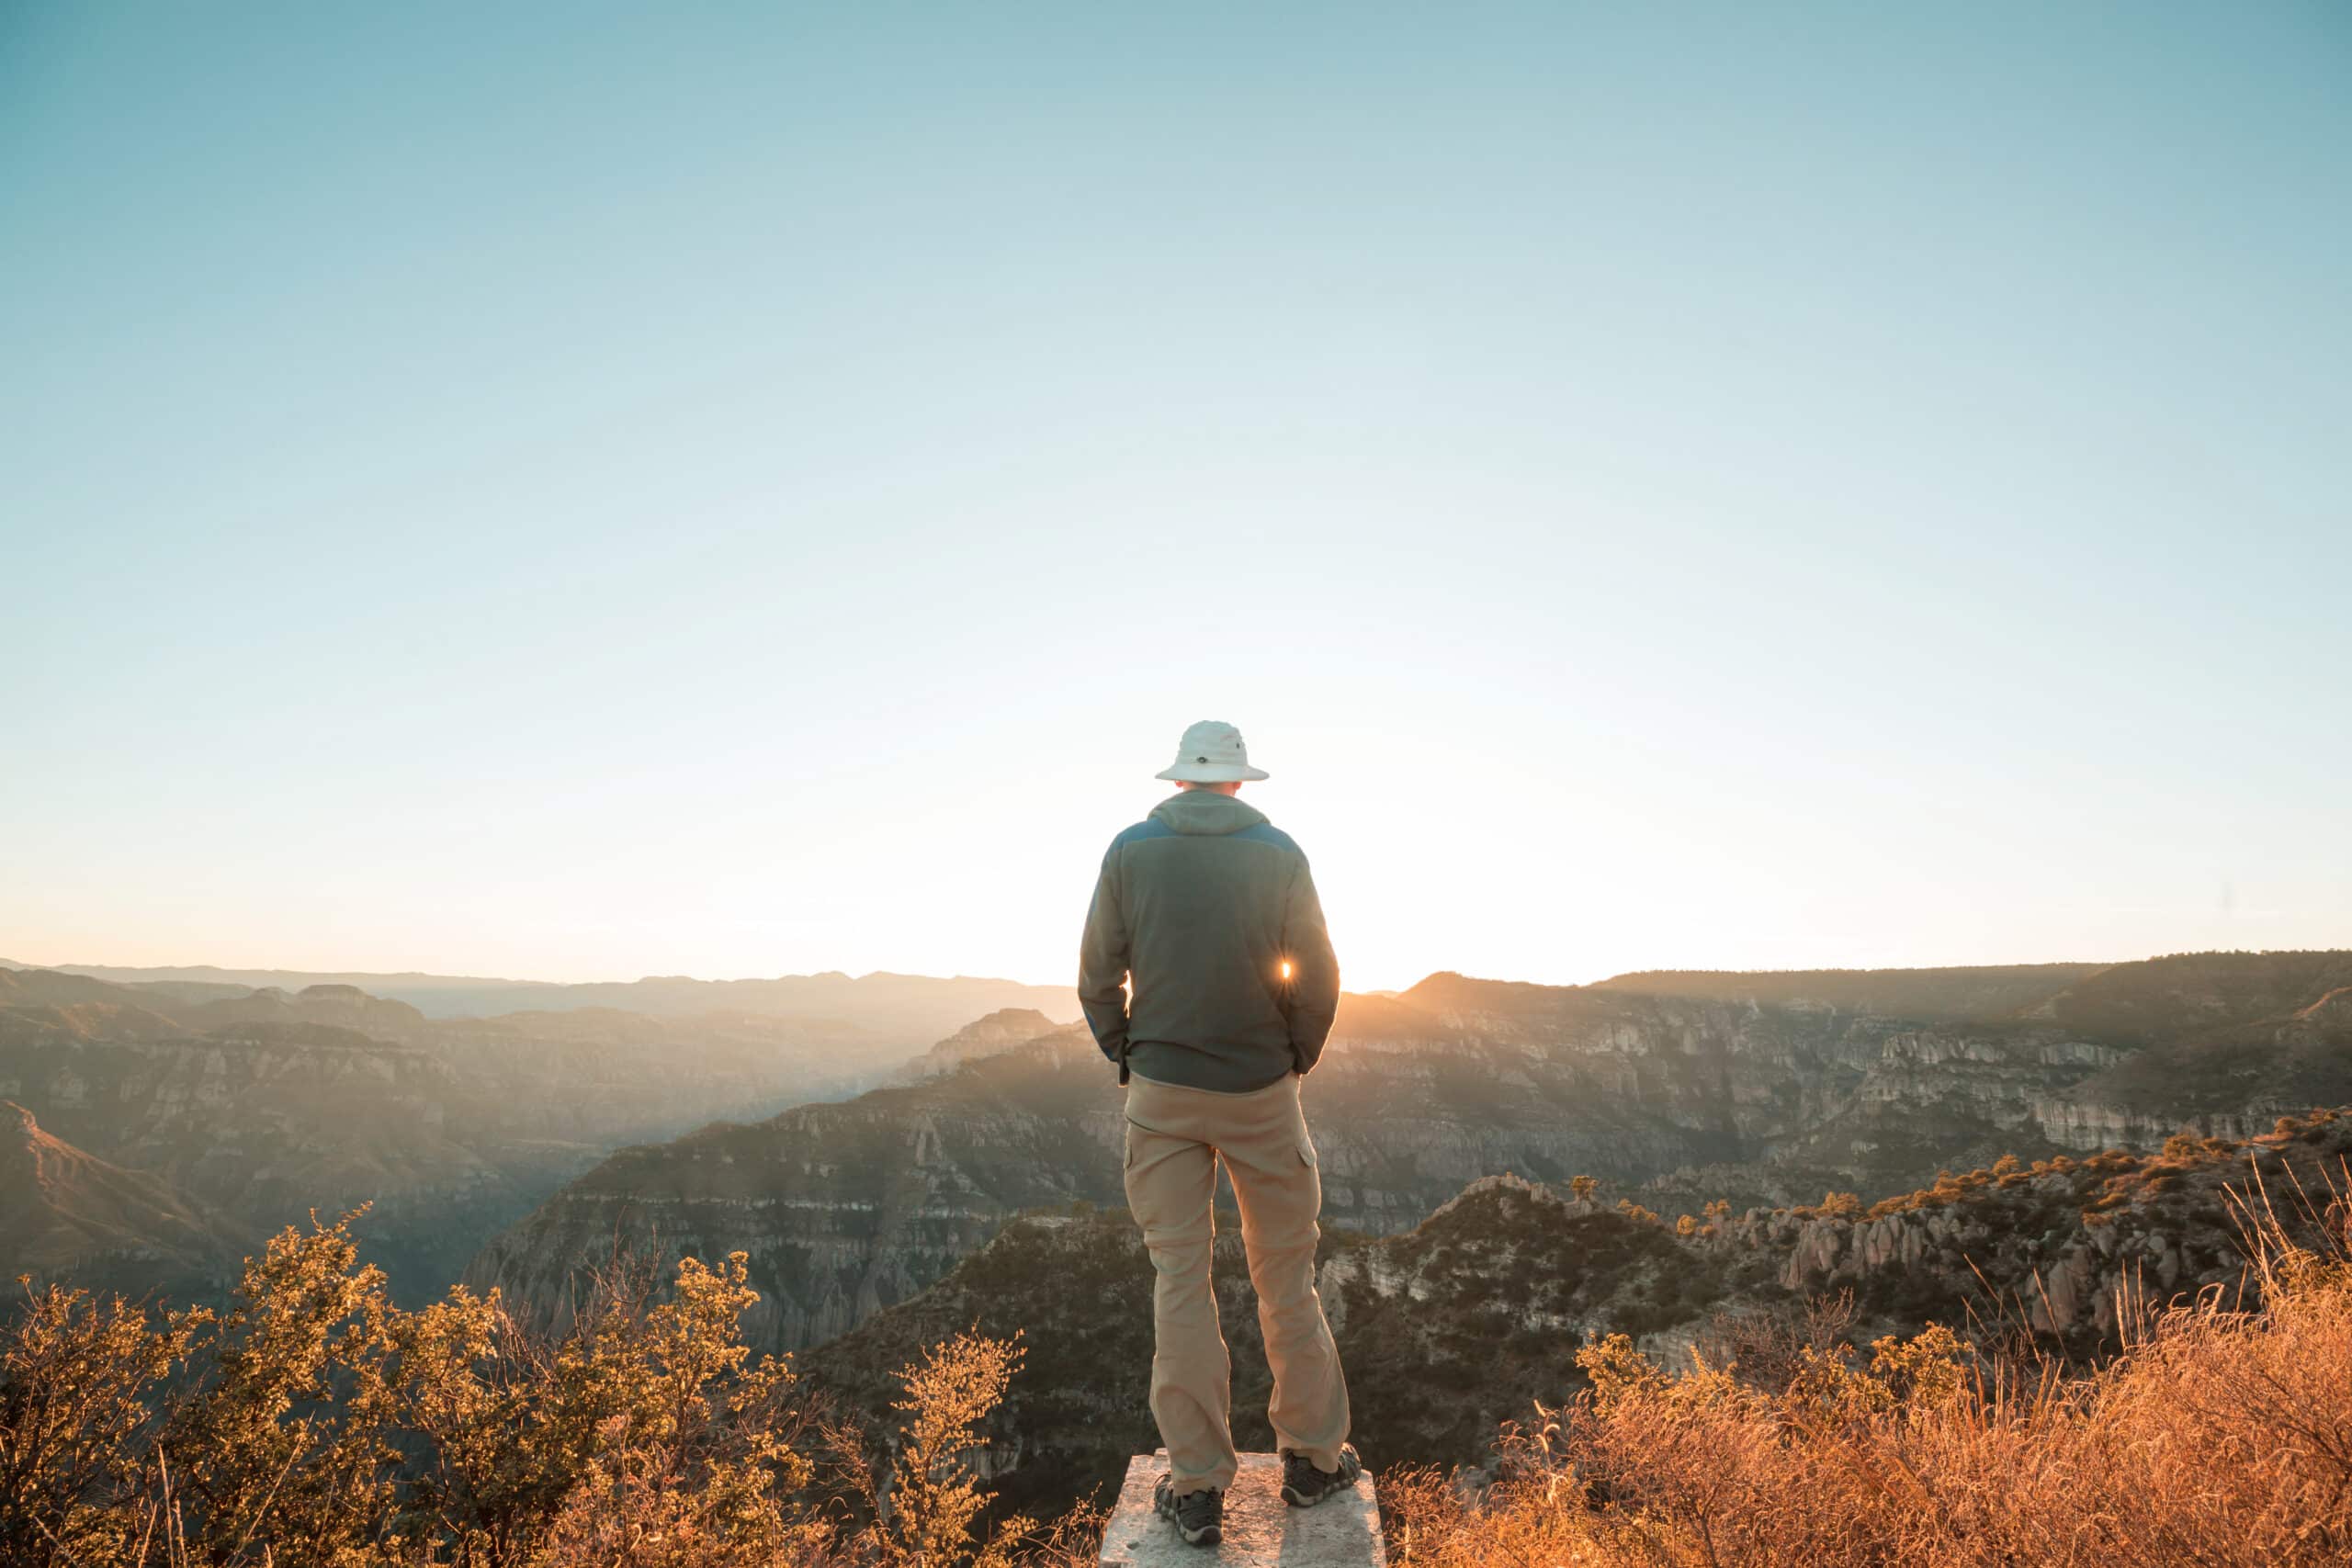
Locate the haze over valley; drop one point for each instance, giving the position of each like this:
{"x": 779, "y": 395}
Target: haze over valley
{"x": 248, "y": 1107}
{"x": 858, "y": 1138}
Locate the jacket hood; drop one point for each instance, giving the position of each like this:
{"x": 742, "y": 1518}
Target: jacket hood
{"x": 1205, "y": 811}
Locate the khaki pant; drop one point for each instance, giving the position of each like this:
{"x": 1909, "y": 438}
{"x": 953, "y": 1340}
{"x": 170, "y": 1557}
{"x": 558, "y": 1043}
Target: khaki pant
{"x": 1175, "y": 1137}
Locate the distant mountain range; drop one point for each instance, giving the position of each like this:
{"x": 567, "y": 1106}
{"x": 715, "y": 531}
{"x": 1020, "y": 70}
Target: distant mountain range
{"x": 912, "y": 1010}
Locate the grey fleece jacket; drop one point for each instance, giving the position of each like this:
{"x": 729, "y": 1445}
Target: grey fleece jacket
{"x": 1196, "y": 910}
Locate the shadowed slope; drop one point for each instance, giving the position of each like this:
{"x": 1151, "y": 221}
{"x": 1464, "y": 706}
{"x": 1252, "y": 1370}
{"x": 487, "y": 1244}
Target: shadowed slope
{"x": 68, "y": 1214}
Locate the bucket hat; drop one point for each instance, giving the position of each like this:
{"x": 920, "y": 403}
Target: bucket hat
{"x": 1211, "y": 753}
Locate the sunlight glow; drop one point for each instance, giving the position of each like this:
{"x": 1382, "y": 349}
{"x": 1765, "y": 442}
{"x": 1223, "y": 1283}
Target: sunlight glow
{"x": 696, "y": 556}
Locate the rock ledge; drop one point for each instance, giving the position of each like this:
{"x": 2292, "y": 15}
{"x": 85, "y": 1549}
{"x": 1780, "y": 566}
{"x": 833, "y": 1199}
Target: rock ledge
{"x": 1260, "y": 1528}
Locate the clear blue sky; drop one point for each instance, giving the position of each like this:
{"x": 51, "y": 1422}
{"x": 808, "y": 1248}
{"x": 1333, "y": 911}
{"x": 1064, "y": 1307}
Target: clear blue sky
{"x": 570, "y": 491}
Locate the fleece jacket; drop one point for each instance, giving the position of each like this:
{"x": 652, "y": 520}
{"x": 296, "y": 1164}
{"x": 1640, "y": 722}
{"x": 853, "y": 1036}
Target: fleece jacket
{"x": 1205, "y": 962}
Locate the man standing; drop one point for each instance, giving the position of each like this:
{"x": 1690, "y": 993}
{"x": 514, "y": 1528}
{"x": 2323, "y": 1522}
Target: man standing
{"x": 1207, "y": 976}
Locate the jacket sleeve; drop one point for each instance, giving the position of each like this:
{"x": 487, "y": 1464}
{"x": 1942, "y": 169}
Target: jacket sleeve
{"x": 1313, "y": 997}
{"x": 1102, "y": 962}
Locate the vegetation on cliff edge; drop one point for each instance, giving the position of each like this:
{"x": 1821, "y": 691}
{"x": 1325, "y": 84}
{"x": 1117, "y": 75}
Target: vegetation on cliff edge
{"x": 2220, "y": 1436}
{"x": 311, "y": 1422}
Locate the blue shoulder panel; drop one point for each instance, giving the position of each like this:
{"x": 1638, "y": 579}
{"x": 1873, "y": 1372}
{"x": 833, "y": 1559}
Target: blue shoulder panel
{"x": 1144, "y": 829}
{"x": 1267, "y": 833}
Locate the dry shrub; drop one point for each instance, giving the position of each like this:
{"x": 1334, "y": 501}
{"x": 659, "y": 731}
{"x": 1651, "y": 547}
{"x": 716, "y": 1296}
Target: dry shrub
{"x": 75, "y": 1380}
{"x": 312, "y": 1422}
{"x": 1765, "y": 1347}
{"x": 927, "y": 1505}
{"x": 2217, "y": 1436}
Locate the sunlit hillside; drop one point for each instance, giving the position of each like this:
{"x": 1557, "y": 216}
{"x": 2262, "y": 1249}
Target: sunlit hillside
{"x": 2218, "y": 1434}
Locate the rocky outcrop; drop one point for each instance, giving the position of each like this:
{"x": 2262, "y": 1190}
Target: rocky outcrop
{"x": 2087, "y": 1124}
{"x": 2062, "y": 1246}
{"x": 1462, "y": 1321}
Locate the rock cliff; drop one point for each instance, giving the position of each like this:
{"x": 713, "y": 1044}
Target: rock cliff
{"x": 2065, "y": 1247}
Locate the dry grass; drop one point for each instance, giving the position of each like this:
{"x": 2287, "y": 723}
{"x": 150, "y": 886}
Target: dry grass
{"x": 2219, "y": 1437}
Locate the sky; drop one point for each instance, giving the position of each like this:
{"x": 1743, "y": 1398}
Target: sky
{"x": 574, "y": 492}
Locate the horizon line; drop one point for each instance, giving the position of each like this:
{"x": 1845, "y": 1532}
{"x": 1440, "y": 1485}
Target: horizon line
{"x": 196, "y": 971}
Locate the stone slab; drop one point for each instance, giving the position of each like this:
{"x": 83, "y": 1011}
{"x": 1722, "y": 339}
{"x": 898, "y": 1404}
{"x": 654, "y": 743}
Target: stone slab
{"x": 1261, "y": 1530}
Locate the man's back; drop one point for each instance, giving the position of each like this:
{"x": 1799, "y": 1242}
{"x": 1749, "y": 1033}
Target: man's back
{"x": 1206, "y": 967}
{"x": 1209, "y": 914}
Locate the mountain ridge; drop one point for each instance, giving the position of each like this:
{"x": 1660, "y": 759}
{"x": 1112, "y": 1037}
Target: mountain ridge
{"x": 930, "y": 1005}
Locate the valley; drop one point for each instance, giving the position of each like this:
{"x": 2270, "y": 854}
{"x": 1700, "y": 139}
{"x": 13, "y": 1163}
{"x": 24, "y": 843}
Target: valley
{"x": 262, "y": 1105}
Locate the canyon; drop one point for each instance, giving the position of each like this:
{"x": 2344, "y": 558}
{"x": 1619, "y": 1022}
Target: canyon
{"x": 1759, "y": 1092}
{"x": 168, "y": 1122}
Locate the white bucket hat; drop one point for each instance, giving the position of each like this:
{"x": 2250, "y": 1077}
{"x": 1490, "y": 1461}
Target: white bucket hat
{"x": 1211, "y": 753}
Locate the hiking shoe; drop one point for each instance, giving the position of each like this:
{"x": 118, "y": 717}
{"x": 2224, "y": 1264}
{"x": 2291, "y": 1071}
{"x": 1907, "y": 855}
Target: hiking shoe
{"x": 1304, "y": 1486}
{"x": 1199, "y": 1517}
